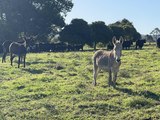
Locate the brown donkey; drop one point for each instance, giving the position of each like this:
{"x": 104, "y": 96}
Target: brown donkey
{"x": 5, "y": 47}
{"x": 18, "y": 49}
{"x": 109, "y": 61}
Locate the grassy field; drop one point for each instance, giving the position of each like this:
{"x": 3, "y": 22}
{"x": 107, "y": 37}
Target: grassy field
{"x": 58, "y": 86}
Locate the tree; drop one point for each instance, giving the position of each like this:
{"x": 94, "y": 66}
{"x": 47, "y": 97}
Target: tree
{"x": 155, "y": 32}
{"x": 126, "y": 29}
{"x": 149, "y": 38}
{"x": 33, "y": 17}
{"x": 117, "y": 30}
{"x": 100, "y": 33}
{"x": 77, "y": 32}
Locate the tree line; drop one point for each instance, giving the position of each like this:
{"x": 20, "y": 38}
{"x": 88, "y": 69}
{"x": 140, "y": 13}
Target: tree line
{"x": 46, "y": 18}
{"x": 80, "y": 32}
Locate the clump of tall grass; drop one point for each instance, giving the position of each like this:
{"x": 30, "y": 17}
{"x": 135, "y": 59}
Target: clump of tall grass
{"x": 59, "y": 66}
{"x": 124, "y": 74}
{"x": 137, "y": 102}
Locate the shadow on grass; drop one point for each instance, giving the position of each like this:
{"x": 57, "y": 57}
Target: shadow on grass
{"x": 36, "y": 96}
{"x": 41, "y": 62}
{"x": 51, "y": 108}
{"x": 145, "y": 93}
{"x": 34, "y": 71}
{"x": 100, "y": 108}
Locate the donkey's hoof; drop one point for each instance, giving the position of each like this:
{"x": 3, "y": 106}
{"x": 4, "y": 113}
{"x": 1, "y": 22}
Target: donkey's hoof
{"x": 110, "y": 84}
{"x": 114, "y": 85}
{"x": 94, "y": 83}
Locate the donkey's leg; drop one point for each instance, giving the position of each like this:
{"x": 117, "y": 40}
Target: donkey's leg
{"x": 95, "y": 73}
{"x": 11, "y": 58}
{"x": 24, "y": 61}
{"x": 4, "y": 57}
{"x": 110, "y": 78}
{"x": 114, "y": 79}
{"x": 19, "y": 61}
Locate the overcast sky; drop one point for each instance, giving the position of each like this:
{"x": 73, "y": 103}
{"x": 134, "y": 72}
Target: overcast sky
{"x": 144, "y": 14}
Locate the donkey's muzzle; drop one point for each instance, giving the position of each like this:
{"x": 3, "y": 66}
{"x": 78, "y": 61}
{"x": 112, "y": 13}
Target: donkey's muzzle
{"x": 118, "y": 60}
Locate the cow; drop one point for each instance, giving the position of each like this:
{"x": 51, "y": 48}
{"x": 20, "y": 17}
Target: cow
{"x": 158, "y": 42}
{"x": 140, "y": 43}
{"x": 127, "y": 44}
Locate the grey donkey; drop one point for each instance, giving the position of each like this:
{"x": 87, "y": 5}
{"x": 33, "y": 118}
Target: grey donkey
{"x": 109, "y": 61}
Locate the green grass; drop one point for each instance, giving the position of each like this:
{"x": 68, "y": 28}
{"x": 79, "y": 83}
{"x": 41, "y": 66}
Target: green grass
{"x": 58, "y": 86}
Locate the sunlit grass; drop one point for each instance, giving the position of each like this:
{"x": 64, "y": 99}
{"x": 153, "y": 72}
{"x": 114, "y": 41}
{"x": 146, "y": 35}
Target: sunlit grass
{"x": 59, "y": 86}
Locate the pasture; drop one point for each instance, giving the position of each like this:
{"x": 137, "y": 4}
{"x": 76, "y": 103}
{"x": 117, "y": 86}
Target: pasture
{"x": 58, "y": 86}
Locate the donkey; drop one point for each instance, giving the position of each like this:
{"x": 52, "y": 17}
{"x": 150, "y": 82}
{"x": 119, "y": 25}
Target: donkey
{"x": 5, "y": 48}
{"x": 109, "y": 61}
{"x": 18, "y": 49}
{"x": 6, "y": 44}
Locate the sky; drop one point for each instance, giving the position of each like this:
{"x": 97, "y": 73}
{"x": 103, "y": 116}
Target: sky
{"x": 144, "y": 14}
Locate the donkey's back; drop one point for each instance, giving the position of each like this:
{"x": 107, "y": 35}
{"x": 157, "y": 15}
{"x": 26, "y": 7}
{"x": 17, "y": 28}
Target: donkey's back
{"x": 5, "y": 46}
{"x": 18, "y": 48}
{"x": 101, "y": 60}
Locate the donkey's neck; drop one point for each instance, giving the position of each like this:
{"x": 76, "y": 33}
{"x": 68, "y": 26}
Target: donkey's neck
{"x": 112, "y": 54}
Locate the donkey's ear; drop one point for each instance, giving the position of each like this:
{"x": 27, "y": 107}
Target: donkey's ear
{"x": 114, "y": 40}
{"x": 121, "y": 39}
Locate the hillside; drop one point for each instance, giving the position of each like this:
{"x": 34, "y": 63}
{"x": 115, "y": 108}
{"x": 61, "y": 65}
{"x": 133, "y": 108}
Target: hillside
{"x": 58, "y": 86}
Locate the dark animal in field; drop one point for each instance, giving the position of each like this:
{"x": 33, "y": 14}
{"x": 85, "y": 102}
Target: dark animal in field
{"x": 70, "y": 47}
{"x": 75, "y": 47}
{"x": 78, "y": 47}
{"x": 140, "y": 43}
{"x": 44, "y": 47}
{"x": 60, "y": 47}
{"x": 127, "y": 44}
{"x": 20, "y": 50}
{"x": 50, "y": 47}
{"x": 158, "y": 42}
{"x": 5, "y": 48}
{"x": 6, "y": 44}
{"x": 109, "y": 61}
{"x": 55, "y": 47}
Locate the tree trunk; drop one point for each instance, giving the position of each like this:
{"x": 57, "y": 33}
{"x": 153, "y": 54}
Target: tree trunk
{"x": 94, "y": 46}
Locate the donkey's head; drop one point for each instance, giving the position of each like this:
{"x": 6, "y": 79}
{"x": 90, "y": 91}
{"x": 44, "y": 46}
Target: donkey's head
{"x": 117, "y": 48}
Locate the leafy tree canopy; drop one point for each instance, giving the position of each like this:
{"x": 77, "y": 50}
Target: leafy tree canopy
{"x": 155, "y": 33}
{"x": 77, "y": 32}
{"x": 126, "y": 29}
{"x": 100, "y": 33}
{"x": 33, "y": 17}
